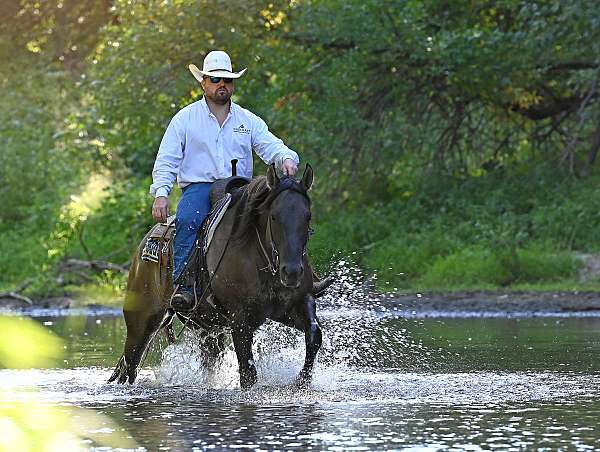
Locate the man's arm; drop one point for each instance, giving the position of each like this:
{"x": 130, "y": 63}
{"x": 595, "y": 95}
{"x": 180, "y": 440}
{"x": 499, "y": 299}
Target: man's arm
{"x": 271, "y": 149}
{"x": 166, "y": 167}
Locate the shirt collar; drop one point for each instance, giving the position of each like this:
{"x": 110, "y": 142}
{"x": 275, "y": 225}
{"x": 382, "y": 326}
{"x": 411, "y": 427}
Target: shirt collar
{"x": 232, "y": 106}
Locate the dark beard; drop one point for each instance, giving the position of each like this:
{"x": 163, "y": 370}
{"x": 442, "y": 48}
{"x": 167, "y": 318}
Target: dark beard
{"x": 221, "y": 99}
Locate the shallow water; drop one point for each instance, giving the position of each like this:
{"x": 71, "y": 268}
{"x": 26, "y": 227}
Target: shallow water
{"x": 381, "y": 382}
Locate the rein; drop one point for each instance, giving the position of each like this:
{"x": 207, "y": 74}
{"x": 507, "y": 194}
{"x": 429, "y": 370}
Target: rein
{"x": 273, "y": 263}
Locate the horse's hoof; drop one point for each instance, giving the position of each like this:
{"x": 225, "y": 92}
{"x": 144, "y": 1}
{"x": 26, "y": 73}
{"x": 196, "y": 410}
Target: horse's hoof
{"x": 183, "y": 301}
{"x": 247, "y": 381}
{"x": 122, "y": 372}
{"x": 120, "y": 369}
{"x": 302, "y": 381}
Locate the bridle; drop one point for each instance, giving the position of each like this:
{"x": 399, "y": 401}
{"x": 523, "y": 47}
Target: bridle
{"x": 273, "y": 260}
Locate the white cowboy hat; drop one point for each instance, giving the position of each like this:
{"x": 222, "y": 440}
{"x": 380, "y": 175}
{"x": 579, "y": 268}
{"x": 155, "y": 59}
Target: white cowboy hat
{"x": 216, "y": 64}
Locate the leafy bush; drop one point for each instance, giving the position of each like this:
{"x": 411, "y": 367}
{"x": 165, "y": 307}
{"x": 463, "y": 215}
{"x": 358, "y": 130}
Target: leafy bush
{"x": 470, "y": 267}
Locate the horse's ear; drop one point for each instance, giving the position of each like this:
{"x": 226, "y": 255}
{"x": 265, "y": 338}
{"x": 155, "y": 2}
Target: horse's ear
{"x": 308, "y": 177}
{"x": 272, "y": 177}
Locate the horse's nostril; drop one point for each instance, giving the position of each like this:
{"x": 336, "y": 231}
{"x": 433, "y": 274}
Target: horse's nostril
{"x": 292, "y": 270}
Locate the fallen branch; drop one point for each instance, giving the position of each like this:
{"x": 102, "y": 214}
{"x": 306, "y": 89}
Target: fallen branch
{"x": 15, "y": 293}
{"x": 95, "y": 265}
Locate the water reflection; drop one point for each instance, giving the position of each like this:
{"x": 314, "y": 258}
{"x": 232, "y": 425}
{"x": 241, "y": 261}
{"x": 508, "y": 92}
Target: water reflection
{"x": 438, "y": 345}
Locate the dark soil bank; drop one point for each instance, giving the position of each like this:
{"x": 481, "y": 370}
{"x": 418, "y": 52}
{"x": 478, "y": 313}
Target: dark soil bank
{"x": 450, "y": 302}
{"x": 490, "y": 302}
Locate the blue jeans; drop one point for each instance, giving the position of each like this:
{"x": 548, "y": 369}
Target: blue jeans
{"x": 193, "y": 208}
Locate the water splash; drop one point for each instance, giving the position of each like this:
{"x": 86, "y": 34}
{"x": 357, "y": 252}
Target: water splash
{"x": 187, "y": 363}
{"x": 356, "y": 335}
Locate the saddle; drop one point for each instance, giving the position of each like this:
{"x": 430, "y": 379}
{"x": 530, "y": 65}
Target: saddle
{"x": 158, "y": 246}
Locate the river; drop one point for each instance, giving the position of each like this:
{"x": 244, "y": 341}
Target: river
{"x": 382, "y": 382}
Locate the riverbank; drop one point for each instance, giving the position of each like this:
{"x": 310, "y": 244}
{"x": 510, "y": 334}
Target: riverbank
{"x": 491, "y": 302}
{"x": 496, "y": 302}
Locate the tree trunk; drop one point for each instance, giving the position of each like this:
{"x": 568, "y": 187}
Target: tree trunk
{"x": 595, "y": 148}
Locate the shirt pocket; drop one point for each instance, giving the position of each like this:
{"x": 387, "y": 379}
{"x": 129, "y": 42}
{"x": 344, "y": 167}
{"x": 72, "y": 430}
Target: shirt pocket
{"x": 242, "y": 152}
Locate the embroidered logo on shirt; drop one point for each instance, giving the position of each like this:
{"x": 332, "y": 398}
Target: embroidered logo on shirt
{"x": 241, "y": 129}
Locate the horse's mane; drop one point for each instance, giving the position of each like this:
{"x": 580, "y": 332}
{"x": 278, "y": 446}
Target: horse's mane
{"x": 253, "y": 199}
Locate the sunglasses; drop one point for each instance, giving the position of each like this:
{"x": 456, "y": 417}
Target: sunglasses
{"x": 216, "y": 80}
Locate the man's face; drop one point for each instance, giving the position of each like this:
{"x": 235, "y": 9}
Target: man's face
{"x": 218, "y": 92}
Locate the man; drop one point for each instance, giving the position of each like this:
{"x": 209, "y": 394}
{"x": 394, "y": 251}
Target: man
{"x": 197, "y": 149}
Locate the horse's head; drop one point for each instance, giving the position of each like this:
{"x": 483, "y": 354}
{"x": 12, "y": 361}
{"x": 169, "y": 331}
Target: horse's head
{"x": 288, "y": 224}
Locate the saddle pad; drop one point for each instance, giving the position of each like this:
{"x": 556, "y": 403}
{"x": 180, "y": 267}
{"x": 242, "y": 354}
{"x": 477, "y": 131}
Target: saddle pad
{"x": 212, "y": 221}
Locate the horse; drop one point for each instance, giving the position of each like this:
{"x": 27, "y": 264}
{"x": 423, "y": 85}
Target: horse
{"x": 258, "y": 267}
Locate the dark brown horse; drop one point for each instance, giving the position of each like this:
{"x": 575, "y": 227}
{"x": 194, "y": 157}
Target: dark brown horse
{"x": 259, "y": 268}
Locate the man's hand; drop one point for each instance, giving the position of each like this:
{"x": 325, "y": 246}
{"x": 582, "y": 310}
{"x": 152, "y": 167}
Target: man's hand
{"x": 289, "y": 167}
{"x": 160, "y": 209}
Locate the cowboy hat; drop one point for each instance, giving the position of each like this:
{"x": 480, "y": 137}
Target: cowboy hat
{"x": 216, "y": 64}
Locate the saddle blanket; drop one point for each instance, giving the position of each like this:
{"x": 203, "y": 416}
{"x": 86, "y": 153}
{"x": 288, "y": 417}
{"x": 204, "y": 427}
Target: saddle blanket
{"x": 212, "y": 221}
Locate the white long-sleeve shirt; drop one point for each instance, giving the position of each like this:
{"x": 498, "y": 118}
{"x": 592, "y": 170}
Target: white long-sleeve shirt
{"x": 195, "y": 148}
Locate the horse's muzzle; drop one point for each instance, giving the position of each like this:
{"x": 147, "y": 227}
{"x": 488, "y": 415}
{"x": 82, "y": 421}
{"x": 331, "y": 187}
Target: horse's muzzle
{"x": 291, "y": 275}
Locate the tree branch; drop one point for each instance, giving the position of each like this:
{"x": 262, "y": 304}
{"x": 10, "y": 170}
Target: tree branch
{"x": 571, "y": 146}
{"x": 15, "y": 293}
{"x": 572, "y": 66}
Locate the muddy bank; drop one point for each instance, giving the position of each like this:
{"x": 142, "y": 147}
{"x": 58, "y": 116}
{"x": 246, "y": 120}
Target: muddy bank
{"x": 12, "y": 304}
{"x": 497, "y": 302}
{"x": 427, "y": 302}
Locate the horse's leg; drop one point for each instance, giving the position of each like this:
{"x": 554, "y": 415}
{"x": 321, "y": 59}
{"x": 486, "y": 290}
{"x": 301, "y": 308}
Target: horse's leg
{"x": 242, "y": 343}
{"x": 214, "y": 345}
{"x": 304, "y": 318}
{"x": 141, "y": 328}
{"x": 313, "y": 339}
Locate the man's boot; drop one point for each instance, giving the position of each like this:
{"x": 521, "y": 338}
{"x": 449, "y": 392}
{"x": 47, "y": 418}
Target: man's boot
{"x": 184, "y": 299}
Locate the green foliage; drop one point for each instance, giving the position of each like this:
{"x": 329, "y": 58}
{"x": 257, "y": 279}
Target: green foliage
{"x": 33, "y": 165}
{"x": 470, "y": 267}
{"x": 123, "y": 217}
{"x": 446, "y": 144}
{"x": 475, "y": 233}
